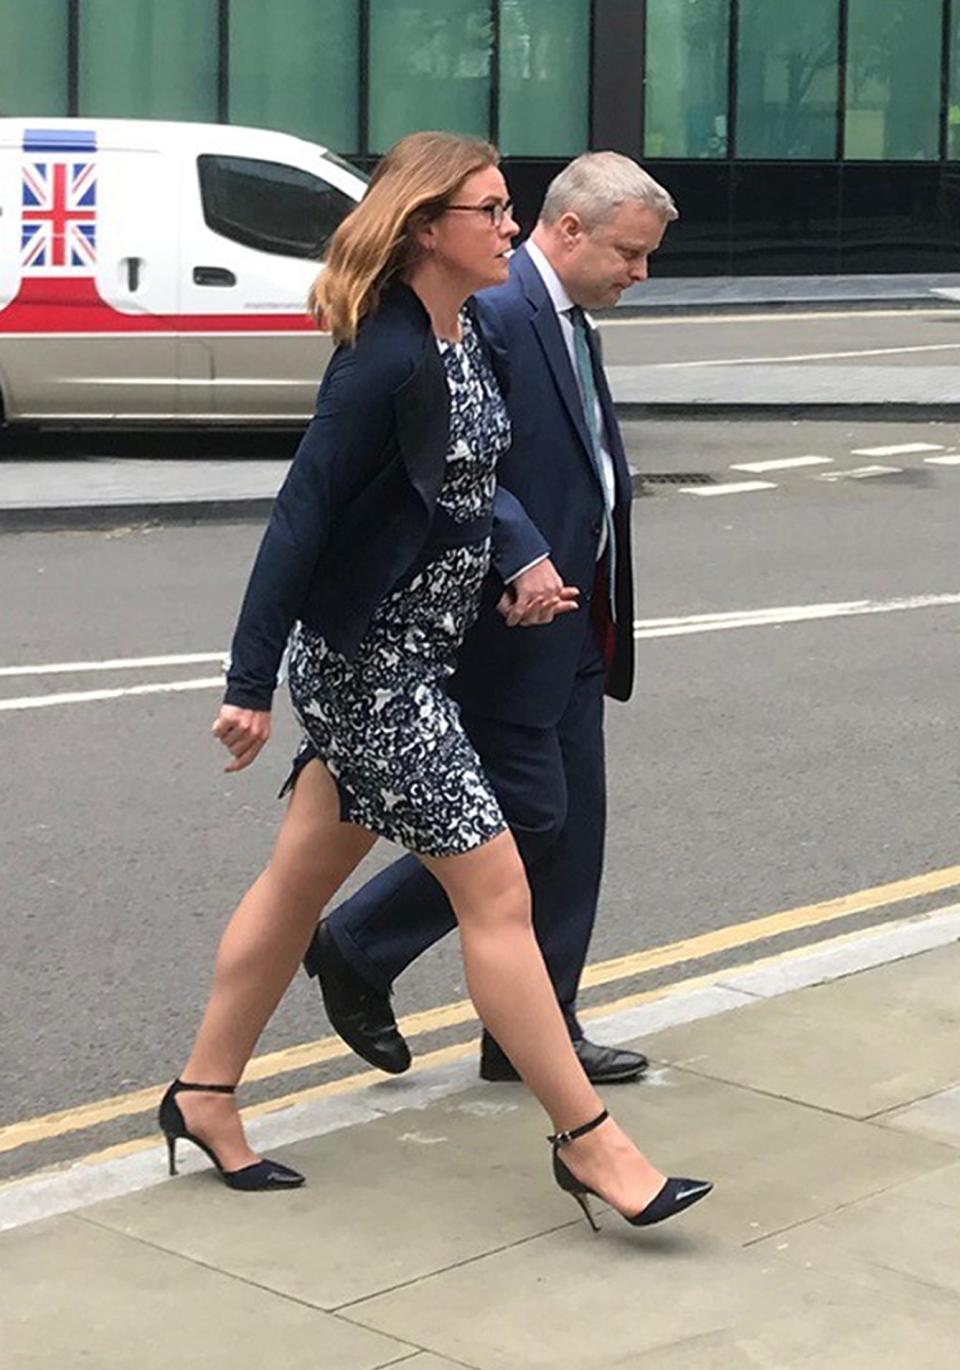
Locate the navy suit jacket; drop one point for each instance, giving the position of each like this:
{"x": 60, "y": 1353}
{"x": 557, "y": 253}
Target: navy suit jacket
{"x": 357, "y": 506}
{"x": 526, "y": 675}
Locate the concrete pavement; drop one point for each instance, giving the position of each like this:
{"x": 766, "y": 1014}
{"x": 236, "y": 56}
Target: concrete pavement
{"x": 820, "y": 1091}
{"x": 804, "y": 390}
{"x": 767, "y": 386}
{"x": 693, "y": 294}
{"x": 102, "y": 492}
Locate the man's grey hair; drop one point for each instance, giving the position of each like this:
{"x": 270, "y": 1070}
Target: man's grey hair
{"x": 595, "y": 185}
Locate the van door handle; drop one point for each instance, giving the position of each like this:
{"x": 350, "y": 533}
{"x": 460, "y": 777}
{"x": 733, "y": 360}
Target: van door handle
{"x": 213, "y": 275}
{"x": 133, "y": 265}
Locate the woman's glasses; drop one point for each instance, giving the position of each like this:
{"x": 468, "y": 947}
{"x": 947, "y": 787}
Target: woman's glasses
{"x": 495, "y": 212}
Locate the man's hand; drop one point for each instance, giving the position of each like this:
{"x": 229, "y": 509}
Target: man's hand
{"x": 537, "y": 596}
{"x": 245, "y": 732}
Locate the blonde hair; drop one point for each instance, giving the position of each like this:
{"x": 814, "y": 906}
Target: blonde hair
{"x": 595, "y": 185}
{"x": 377, "y": 240}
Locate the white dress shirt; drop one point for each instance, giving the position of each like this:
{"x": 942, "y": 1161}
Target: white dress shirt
{"x": 562, "y": 303}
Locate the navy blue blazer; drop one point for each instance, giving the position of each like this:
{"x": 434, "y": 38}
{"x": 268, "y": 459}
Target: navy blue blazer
{"x": 525, "y": 675}
{"x": 357, "y": 506}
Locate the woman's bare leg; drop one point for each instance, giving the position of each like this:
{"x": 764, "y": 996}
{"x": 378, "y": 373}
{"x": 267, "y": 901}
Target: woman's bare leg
{"x": 511, "y": 990}
{"x": 261, "y": 949}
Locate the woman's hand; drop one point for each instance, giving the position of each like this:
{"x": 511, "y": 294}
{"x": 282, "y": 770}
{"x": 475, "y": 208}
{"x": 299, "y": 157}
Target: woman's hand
{"x": 245, "y": 732}
{"x": 537, "y": 596}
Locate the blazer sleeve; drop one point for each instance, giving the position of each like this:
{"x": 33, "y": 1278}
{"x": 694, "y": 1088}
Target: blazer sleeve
{"x": 517, "y": 542}
{"x": 340, "y": 451}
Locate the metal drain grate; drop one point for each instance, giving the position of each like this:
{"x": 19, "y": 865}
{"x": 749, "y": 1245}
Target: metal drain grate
{"x": 676, "y": 478}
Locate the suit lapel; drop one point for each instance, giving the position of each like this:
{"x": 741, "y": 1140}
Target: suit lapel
{"x": 546, "y": 325}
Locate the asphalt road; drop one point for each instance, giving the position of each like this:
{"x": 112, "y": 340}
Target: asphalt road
{"x": 757, "y": 768}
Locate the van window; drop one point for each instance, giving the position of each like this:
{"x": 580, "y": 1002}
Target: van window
{"x": 269, "y": 206}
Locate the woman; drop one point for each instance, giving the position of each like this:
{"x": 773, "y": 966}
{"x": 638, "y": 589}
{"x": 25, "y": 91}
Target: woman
{"x": 377, "y": 547}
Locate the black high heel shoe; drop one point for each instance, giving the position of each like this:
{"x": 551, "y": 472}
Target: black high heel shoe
{"x": 674, "y": 1197}
{"x": 260, "y": 1175}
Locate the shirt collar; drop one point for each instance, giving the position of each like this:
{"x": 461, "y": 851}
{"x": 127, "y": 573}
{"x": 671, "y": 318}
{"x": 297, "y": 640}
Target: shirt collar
{"x": 559, "y": 298}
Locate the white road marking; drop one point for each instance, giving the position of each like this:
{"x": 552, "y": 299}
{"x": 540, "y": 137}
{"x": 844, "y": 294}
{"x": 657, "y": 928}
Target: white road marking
{"x": 802, "y": 357}
{"x": 114, "y": 664}
{"x": 89, "y": 696}
{"x": 860, "y": 473}
{"x": 953, "y": 460}
{"x": 785, "y": 464}
{"x": 792, "y": 613}
{"x": 783, "y": 317}
{"x": 739, "y": 487}
{"x": 898, "y": 451}
{"x": 643, "y": 628}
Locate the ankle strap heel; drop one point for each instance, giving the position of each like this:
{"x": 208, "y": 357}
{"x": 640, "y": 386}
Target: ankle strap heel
{"x": 673, "y": 1197}
{"x": 565, "y": 1177}
{"x": 188, "y": 1086}
{"x": 261, "y": 1175}
{"x": 559, "y": 1139}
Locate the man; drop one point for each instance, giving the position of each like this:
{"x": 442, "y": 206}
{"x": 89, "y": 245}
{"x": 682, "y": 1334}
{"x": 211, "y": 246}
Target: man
{"x": 532, "y": 674}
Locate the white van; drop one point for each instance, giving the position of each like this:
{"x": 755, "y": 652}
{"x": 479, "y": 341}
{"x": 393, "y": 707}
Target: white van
{"x": 158, "y": 272}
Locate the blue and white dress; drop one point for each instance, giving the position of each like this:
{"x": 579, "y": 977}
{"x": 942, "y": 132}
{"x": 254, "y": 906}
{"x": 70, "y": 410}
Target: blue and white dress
{"x": 382, "y": 723}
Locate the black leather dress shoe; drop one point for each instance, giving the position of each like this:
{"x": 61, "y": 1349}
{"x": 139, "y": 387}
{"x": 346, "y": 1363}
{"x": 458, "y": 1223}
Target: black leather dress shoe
{"x": 604, "y": 1065}
{"x": 358, "y": 1013}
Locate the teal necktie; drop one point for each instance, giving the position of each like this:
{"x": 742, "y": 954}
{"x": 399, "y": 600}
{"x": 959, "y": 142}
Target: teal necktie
{"x": 591, "y": 412}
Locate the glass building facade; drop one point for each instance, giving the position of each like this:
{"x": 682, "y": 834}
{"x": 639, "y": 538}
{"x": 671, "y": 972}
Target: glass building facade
{"x": 796, "y": 135}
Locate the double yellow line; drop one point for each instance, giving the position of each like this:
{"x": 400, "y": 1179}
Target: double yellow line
{"x": 277, "y": 1063}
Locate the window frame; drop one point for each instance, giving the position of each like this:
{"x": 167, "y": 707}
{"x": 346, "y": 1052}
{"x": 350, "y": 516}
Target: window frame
{"x": 212, "y": 163}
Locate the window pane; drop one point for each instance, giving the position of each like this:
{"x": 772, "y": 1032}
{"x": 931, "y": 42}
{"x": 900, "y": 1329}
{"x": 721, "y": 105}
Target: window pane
{"x": 953, "y": 109}
{"x": 787, "y": 78}
{"x": 688, "y": 48}
{"x": 893, "y": 79}
{"x": 269, "y": 206}
{"x": 33, "y": 57}
{"x": 429, "y": 68}
{"x": 544, "y": 77}
{"x": 140, "y": 59}
{"x": 294, "y": 65}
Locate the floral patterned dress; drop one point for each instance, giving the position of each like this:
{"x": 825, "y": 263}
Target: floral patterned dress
{"x": 382, "y": 723}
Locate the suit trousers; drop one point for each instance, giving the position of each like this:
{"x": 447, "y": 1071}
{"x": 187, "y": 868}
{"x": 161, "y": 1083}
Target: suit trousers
{"x": 551, "y": 785}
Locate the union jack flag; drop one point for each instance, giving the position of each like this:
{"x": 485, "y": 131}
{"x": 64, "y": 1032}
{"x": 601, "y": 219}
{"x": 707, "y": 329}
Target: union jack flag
{"x": 59, "y": 215}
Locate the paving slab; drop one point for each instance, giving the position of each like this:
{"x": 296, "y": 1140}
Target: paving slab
{"x": 871, "y": 1318}
{"x": 637, "y": 1298}
{"x": 422, "y": 1190}
{"x": 782, "y": 385}
{"x": 670, "y": 293}
{"x": 941, "y": 1188}
{"x": 857, "y": 1046}
{"x": 106, "y": 491}
{"x": 893, "y": 1231}
{"x": 388, "y": 1202}
{"x": 75, "y": 1294}
{"x": 937, "y": 1117}
{"x": 765, "y": 1155}
{"x": 430, "y": 1362}
{"x": 123, "y": 480}
{"x": 900, "y": 1324}
{"x": 432, "y": 1236}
